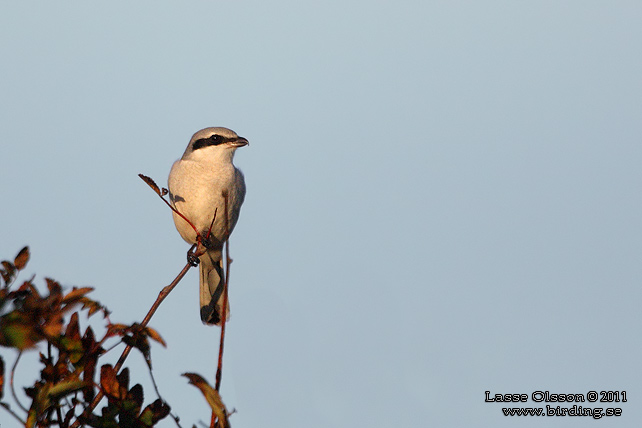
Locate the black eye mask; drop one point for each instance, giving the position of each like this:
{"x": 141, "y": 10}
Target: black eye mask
{"x": 214, "y": 140}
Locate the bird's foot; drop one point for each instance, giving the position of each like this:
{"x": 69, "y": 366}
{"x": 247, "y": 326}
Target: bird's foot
{"x": 207, "y": 243}
{"x": 191, "y": 258}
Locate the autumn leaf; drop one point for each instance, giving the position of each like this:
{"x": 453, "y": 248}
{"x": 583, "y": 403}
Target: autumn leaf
{"x": 116, "y": 330}
{"x": 110, "y": 383}
{"x": 8, "y": 271}
{"x": 18, "y": 332}
{"x": 65, "y": 387}
{"x": 155, "y": 336}
{"x": 22, "y": 258}
{"x": 212, "y": 397}
{"x": 151, "y": 184}
{"x": 76, "y": 293}
{"x": 71, "y": 341}
{"x": 154, "y": 413}
{"x": 134, "y": 401}
{"x": 92, "y": 352}
{"x": 93, "y": 306}
{"x": 46, "y": 394}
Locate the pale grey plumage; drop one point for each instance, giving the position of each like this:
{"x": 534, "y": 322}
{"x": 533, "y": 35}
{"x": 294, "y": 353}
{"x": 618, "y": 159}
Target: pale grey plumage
{"x": 196, "y": 183}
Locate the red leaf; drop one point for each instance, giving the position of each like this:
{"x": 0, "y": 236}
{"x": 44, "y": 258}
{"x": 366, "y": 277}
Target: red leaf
{"x": 150, "y": 183}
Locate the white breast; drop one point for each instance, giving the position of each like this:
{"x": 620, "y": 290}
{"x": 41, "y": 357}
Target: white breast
{"x": 196, "y": 188}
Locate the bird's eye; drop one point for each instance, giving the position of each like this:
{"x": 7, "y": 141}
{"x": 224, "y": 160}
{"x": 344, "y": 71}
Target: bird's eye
{"x": 214, "y": 140}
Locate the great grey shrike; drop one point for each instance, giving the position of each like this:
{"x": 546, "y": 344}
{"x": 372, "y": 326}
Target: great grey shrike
{"x": 196, "y": 184}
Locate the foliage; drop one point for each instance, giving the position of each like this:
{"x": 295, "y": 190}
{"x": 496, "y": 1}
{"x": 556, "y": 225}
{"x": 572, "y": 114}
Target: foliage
{"x": 69, "y": 387}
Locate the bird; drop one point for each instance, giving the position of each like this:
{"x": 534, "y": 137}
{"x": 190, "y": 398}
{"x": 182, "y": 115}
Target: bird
{"x": 196, "y": 184}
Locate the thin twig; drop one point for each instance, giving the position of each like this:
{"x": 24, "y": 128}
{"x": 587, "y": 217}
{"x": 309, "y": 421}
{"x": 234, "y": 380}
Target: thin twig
{"x": 12, "y": 413}
{"x": 226, "y": 273}
{"x": 161, "y": 193}
{"x": 13, "y": 390}
{"x": 151, "y": 375}
{"x": 176, "y": 419}
{"x": 161, "y": 296}
{"x": 181, "y": 215}
{"x": 209, "y": 231}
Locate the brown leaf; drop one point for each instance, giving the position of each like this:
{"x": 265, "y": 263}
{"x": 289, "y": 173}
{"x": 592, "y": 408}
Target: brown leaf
{"x": 91, "y": 359}
{"x": 140, "y": 342}
{"x": 22, "y": 258}
{"x": 73, "y": 328}
{"x": 72, "y": 341}
{"x": 109, "y": 381}
{"x": 123, "y": 380}
{"x": 76, "y": 294}
{"x": 155, "y": 336}
{"x": 54, "y": 287}
{"x": 150, "y": 183}
{"x": 116, "y": 330}
{"x": 135, "y": 336}
{"x": 213, "y": 398}
{"x": 93, "y": 306}
{"x": 53, "y": 325}
{"x": 8, "y": 271}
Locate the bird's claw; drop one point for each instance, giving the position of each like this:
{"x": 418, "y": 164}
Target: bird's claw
{"x": 192, "y": 259}
{"x": 207, "y": 243}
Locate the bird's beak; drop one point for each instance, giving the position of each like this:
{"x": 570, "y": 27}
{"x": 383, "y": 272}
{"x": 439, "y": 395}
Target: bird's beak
{"x": 239, "y": 142}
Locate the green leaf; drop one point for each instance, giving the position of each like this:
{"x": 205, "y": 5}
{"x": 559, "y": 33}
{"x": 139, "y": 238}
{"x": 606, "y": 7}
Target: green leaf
{"x": 65, "y": 387}
{"x": 154, "y": 413}
{"x": 17, "y": 332}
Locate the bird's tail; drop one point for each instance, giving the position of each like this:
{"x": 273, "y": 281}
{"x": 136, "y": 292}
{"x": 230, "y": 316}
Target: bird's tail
{"x": 211, "y": 290}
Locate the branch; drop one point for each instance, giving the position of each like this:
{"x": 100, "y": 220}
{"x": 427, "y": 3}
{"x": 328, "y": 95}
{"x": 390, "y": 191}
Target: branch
{"x": 161, "y": 296}
{"x": 12, "y": 413}
{"x": 226, "y": 274}
{"x": 13, "y": 390}
{"x": 161, "y": 194}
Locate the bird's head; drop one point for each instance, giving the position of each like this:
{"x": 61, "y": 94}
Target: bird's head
{"x": 214, "y": 142}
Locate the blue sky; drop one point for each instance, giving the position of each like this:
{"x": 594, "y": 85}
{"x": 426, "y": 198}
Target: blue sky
{"x": 443, "y": 197}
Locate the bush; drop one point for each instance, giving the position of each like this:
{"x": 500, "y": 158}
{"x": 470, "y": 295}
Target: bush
{"x": 70, "y": 387}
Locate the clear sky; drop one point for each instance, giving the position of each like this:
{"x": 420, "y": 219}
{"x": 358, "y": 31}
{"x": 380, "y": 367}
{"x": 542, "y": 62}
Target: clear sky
{"x": 443, "y": 197}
